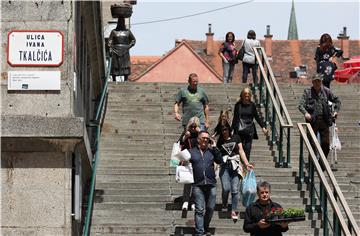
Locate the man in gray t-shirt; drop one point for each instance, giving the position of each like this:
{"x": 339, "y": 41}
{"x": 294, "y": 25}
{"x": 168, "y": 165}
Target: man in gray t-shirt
{"x": 194, "y": 102}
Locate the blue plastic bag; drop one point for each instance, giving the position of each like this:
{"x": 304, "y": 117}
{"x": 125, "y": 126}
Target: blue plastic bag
{"x": 249, "y": 189}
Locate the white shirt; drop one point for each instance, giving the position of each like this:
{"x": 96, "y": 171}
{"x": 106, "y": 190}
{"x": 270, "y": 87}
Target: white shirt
{"x": 249, "y": 56}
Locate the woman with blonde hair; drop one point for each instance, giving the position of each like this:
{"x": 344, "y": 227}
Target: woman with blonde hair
{"x": 188, "y": 140}
{"x": 243, "y": 121}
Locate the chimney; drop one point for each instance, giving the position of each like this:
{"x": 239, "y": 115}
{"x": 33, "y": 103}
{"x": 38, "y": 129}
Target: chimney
{"x": 209, "y": 42}
{"x": 177, "y": 42}
{"x": 268, "y": 42}
{"x": 344, "y": 43}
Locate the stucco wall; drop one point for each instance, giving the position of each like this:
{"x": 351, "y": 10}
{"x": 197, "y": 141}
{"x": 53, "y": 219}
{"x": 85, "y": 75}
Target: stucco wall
{"x": 36, "y": 193}
{"x": 42, "y": 132}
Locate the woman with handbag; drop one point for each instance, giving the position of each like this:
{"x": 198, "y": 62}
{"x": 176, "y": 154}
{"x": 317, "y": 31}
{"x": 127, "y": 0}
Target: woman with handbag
{"x": 231, "y": 169}
{"x": 248, "y": 60}
{"x": 188, "y": 140}
{"x": 243, "y": 121}
{"x": 228, "y": 52}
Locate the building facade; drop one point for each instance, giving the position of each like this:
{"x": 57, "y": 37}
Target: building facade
{"x": 48, "y": 104}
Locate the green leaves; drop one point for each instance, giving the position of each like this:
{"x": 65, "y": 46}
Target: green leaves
{"x": 293, "y": 212}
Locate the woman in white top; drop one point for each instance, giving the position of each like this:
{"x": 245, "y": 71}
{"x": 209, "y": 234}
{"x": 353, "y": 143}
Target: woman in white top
{"x": 249, "y": 57}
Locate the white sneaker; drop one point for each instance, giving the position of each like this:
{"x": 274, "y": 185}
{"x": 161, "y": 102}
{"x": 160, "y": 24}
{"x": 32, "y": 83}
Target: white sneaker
{"x": 185, "y": 206}
{"x": 193, "y": 207}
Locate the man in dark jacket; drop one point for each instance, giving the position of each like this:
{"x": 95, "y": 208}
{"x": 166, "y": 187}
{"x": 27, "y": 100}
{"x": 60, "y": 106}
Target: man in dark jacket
{"x": 204, "y": 188}
{"x": 315, "y": 108}
{"x": 254, "y": 222}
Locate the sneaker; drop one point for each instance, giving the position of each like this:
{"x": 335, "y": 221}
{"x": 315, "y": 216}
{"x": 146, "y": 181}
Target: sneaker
{"x": 185, "y": 206}
{"x": 224, "y": 207}
{"x": 193, "y": 207}
{"x": 234, "y": 215}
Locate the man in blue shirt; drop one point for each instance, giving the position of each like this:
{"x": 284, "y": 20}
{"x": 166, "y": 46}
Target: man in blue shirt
{"x": 204, "y": 188}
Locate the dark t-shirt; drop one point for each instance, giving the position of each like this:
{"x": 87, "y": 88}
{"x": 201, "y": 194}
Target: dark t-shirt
{"x": 229, "y": 147}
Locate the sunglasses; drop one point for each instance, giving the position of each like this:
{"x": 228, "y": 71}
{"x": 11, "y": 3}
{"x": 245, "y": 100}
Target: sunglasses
{"x": 193, "y": 126}
{"x": 205, "y": 138}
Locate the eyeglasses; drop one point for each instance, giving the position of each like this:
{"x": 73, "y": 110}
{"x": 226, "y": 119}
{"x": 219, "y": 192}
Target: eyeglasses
{"x": 205, "y": 138}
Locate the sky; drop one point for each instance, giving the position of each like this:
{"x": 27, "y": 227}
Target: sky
{"x": 313, "y": 19}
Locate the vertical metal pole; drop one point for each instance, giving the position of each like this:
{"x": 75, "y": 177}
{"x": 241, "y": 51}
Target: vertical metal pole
{"x": 280, "y": 148}
{"x": 261, "y": 86}
{"x": 267, "y": 107}
{"x": 312, "y": 187}
{"x": 273, "y": 131}
{"x": 288, "y": 156}
{"x": 301, "y": 161}
{"x": 336, "y": 227}
{"x": 325, "y": 213}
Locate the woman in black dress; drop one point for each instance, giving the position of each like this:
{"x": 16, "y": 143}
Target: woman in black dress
{"x": 243, "y": 121}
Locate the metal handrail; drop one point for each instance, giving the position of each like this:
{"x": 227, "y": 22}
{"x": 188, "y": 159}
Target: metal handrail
{"x": 276, "y": 89}
{"x": 278, "y": 107}
{"x": 98, "y": 117}
{"x": 324, "y": 183}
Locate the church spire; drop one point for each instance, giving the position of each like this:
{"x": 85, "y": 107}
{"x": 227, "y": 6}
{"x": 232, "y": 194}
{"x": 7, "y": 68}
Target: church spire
{"x": 292, "y": 33}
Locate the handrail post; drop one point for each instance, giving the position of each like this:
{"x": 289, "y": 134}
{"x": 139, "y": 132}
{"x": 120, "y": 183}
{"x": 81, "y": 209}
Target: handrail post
{"x": 288, "y": 148}
{"x": 280, "y": 162}
{"x": 261, "y": 86}
{"x": 267, "y": 103}
{"x": 336, "y": 228}
{"x": 301, "y": 161}
{"x": 312, "y": 187}
{"x": 323, "y": 203}
{"x": 273, "y": 127}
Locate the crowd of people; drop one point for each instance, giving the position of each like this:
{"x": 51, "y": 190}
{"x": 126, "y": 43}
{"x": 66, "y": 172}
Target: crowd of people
{"x": 229, "y": 145}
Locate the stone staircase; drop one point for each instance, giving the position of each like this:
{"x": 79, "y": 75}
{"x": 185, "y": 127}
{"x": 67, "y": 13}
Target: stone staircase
{"x": 136, "y": 192}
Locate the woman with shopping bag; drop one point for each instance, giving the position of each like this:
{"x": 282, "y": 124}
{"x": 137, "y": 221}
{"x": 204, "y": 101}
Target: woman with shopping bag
{"x": 188, "y": 140}
{"x": 231, "y": 169}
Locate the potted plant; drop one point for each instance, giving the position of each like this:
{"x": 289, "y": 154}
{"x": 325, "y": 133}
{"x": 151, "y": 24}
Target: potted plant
{"x": 275, "y": 215}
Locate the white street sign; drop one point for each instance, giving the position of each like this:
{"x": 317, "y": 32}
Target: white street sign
{"x": 34, "y": 80}
{"x": 35, "y": 48}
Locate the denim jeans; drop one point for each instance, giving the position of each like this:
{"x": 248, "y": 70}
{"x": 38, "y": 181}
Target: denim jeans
{"x": 228, "y": 72}
{"x": 246, "y": 70}
{"x": 230, "y": 182}
{"x": 205, "y": 199}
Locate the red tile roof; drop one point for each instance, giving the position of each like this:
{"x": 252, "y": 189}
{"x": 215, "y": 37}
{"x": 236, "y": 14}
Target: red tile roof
{"x": 176, "y": 66}
{"x": 286, "y": 54}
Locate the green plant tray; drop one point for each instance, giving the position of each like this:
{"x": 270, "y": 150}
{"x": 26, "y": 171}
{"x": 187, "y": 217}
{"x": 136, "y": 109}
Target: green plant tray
{"x": 291, "y": 219}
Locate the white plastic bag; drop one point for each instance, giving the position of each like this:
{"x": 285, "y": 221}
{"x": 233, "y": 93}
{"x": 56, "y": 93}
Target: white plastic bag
{"x": 184, "y": 174}
{"x": 184, "y": 155}
{"x": 335, "y": 141}
{"x": 174, "y": 160}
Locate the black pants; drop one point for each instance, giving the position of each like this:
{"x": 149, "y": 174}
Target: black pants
{"x": 246, "y": 141}
{"x": 246, "y": 70}
{"x": 322, "y": 127}
{"x": 187, "y": 193}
